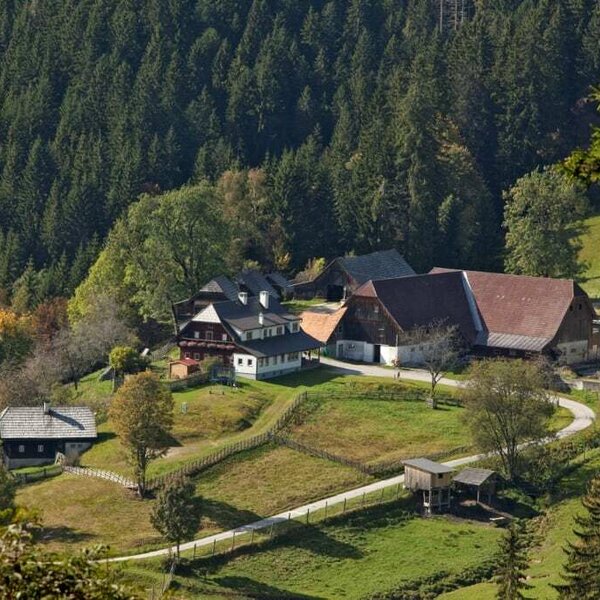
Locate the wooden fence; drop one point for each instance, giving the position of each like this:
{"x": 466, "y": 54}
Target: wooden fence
{"x": 43, "y": 473}
{"x": 194, "y": 467}
{"x": 101, "y": 474}
{"x": 410, "y": 395}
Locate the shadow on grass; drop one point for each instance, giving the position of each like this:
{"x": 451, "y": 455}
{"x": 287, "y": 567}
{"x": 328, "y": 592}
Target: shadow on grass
{"x": 62, "y": 534}
{"x": 309, "y": 378}
{"x": 255, "y": 589}
{"x": 308, "y": 537}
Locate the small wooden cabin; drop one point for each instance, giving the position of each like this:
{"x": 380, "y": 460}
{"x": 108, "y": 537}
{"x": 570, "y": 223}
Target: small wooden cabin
{"x": 432, "y": 479}
{"x": 182, "y": 368}
{"x": 477, "y": 480}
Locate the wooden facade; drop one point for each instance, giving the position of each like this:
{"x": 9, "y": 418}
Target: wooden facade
{"x": 367, "y": 320}
{"x": 432, "y": 480}
{"x": 203, "y": 339}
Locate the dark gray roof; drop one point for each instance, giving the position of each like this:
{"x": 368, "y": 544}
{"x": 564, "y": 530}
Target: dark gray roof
{"x": 246, "y": 316}
{"x": 221, "y": 285}
{"x": 279, "y": 280}
{"x": 255, "y": 283}
{"x": 424, "y": 464}
{"x": 281, "y": 344}
{"x": 472, "y": 476}
{"x": 61, "y": 422}
{"x": 378, "y": 265}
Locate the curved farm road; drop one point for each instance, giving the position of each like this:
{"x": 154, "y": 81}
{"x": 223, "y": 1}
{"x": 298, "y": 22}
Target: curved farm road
{"x": 583, "y": 417}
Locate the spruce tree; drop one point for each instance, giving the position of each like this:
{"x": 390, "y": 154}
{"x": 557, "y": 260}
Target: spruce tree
{"x": 582, "y": 569}
{"x": 510, "y": 573}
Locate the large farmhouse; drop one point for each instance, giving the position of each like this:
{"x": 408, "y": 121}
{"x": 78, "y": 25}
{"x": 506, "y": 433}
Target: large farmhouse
{"x": 33, "y": 435}
{"x": 255, "y": 335}
{"x": 495, "y": 314}
{"x": 342, "y": 276}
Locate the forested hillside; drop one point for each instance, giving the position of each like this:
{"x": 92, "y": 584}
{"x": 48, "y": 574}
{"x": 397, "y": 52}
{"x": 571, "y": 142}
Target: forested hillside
{"x": 330, "y": 126}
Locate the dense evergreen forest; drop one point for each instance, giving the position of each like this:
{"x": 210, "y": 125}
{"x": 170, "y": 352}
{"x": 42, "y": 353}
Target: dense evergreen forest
{"x": 329, "y": 126}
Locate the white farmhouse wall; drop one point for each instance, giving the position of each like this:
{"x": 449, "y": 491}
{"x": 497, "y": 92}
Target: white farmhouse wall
{"x": 245, "y": 369}
{"x": 573, "y": 352}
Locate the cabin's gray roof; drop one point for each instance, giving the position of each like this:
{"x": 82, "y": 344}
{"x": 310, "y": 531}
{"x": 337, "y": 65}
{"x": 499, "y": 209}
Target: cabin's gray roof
{"x": 472, "y": 476}
{"x": 256, "y": 283}
{"x": 279, "y": 280}
{"x": 512, "y": 341}
{"x": 385, "y": 264}
{"x": 246, "y": 316}
{"x": 424, "y": 464}
{"x": 61, "y": 422}
{"x": 221, "y": 285}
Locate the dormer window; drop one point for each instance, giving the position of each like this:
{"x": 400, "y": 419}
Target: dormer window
{"x": 279, "y": 330}
{"x": 295, "y": 327}
{"x": 249, "y": 335}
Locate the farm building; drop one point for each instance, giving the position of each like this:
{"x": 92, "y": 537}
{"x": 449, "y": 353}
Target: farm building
{"x": 495, "y": 314}
{"x": 255, "y": 335}
{"x": 324, "y": 323}
{"x": 342, "y": 276}
{"x": 182, "y": 368}
{"x": 432, "y": 479}
{"x": 33, "y": 435}
{"x": 477, "y": 480}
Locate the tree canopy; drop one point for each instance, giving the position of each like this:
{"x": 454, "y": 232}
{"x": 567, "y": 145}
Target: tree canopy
{"x": 339, "y": 125}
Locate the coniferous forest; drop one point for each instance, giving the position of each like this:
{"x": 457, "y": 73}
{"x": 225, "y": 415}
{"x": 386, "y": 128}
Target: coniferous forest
{"x": 321, "y": 127}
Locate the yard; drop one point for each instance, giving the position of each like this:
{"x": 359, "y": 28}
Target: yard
{"x": 349, "y": 557}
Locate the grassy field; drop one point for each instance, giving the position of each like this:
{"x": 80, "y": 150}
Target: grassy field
{"x": 348, "y": 557}
{"x": 590, "y": 256}
{"x": 215, "y": 416}
{"x": 547, "y": 559}
{"x": 298, "y": 306}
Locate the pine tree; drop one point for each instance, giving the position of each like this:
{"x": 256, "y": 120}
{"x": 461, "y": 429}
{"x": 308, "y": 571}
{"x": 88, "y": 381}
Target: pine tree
{"x": 510, "y": 572}
{"x": 582, "y": 569}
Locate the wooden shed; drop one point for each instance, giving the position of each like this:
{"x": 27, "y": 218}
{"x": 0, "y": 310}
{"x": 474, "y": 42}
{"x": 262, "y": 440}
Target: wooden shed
{"x": 432, "y": 479}
{"x": 182, "y": 368}
{"x": 480, "y": 480}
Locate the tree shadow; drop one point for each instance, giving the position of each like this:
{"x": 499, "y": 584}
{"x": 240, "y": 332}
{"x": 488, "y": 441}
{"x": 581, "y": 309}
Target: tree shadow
{"x": 256, "y": 589}
{"x": 105, "y": 436}
{"x": 309, "y": 537}
{"x": 62, "y": 534}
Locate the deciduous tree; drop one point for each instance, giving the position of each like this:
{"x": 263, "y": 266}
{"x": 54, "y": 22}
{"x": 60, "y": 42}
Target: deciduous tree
{"x": 142, "y": 414}
{"x": 175, "y": 513}
{"x": 506, "y": 405}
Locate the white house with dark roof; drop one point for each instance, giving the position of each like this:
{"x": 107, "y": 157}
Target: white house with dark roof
{"x": 33, "y": 435}
{"x": 255, "y": 335}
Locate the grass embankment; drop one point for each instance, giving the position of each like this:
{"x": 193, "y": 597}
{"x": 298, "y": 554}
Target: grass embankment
{"x": 298, "y": 306}
{"x": 547, "y": 559}
{"x": 347, "y": 557}
{"x": 590, "y": 256}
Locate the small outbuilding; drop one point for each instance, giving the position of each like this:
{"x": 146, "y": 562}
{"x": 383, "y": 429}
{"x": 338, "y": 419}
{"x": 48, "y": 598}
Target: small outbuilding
{"x": 33, "y": 435}
{"x": 433, "y": 479}
{"x": 479, "y": 480}
{"x": 182, "y": 368}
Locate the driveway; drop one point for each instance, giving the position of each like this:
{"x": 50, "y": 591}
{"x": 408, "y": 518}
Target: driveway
{"x": 583, "y": 417}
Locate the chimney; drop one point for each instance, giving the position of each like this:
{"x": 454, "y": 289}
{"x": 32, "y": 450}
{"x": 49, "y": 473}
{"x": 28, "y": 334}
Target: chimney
{"x": 243, "y": 297}
{"x": 261, "y": 318}
{"x": 46, "y": 408}
{"x": 264, "y": 299}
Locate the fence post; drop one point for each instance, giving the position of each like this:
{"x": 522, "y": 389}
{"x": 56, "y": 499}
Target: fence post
{"x": 307, "y": 515}
{"x": 397, "y": 491}
{"x": 344, "y": 510}
{"x": 252, "y": 536}
{"x": 382, "y": 490}
{"x": 214, "y": 547}
{"x": 194, "y": 552}
{"x": 326, "y": 503}
{"x": 233, "y": 541}
{"x": 363, "y": 499}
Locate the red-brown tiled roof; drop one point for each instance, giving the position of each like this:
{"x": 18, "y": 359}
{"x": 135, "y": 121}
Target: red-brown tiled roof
{"x": 519, "y": 305}
{"x": 189, "y": 362}
{"x": 321, "y": 325}
{"x": 423, "y": 299}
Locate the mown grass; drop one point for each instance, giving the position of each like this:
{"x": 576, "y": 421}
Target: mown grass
{"x": 298, "y": 306}
{"x": 546, "y": 560}
{"x": 348, "y": 557}
{"x": 590, "y": 256}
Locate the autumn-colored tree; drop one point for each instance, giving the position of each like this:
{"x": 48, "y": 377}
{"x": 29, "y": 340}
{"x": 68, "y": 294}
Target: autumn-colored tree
{"x": 16, "y": 340}
{"x": 142, "y": 415}
{"x": 49, "y": 318}
{"x": 175, "y": 515}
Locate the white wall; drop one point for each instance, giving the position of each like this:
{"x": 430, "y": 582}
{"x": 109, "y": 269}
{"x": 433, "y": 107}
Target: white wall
{"x": 364, "y": 352}
{"x": 573, "y": 352}
{"x": 244, "y": 369}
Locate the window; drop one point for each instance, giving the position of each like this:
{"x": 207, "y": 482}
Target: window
{"x": 224, "y": 337}
{"x": 282, "y": 359}
{"x": 209, "y": 336}
{"x": 196, "y": 335}
{"x": 240, "y": 362}
{"x": 440, "y": 475}
{"x": 279, "y": 330}
{"x": 260, "y": 362}
{"x": 294, "y": 327}
{"x": 186, "y": 355}
{"x": 580, "y": 306}
{"x": 293, "y": 356}
{"x": 21, "y": 449}
{"x": 275, "y": 359}
{"x": 196, "y": 355}
{"x": 267, "y": 361}
{"x": 376, "y": 309}
{"x": 40, "y": 448}
{"x": 250, "y": 362}
{"x": 249, "y": 335}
